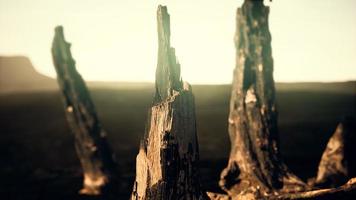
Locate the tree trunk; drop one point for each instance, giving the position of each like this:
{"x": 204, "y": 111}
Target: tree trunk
{"x": 91, "y": 144}
{"x": 255, "y": 167}
{"x": 338, "y": 164}
{"x": 167, "y": 163}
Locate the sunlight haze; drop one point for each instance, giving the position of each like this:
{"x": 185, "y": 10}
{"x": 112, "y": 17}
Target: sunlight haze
{"x": 116, "y": 40}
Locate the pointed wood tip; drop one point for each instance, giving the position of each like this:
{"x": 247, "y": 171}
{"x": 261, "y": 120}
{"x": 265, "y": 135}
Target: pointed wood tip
{"x": 162, "y": 8}
{"x": 60, "y": 47}
{"x": 58, "y": 32}
{"x": 168, "y": 69}
{"x": 162, "y": 11}
{"x": 59, "y": 29}
{"x": 163, "y": 25}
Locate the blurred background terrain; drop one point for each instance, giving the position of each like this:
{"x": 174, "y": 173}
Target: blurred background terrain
{"x": 37, "y": 155}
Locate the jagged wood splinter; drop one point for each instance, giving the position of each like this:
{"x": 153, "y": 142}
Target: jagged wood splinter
{"x": 167, "y": 163}
{"x": 338, "y": 162}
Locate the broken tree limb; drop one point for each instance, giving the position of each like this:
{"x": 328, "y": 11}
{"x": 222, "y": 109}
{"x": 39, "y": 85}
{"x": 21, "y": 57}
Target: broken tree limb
{"x": 338, "y": 162}
{"x": 167, "y": 163}
{"x": 344, "y": 192}
{"x": 91, "y": 144}
{"x": 255, "y": 167}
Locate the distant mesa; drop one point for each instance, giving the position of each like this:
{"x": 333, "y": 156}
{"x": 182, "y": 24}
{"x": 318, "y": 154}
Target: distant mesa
{"x": 17, "y": 74}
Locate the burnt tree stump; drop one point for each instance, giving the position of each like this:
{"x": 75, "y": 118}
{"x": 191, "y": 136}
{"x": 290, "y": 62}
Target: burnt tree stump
{"x": 91, "y": 144}
{"x": 167, "y": 163}
{"x": 255, "y": 167}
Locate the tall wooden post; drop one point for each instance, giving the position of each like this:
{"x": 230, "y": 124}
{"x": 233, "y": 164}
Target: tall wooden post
{"x": 255, "y": 167}
{"x": 91, "y": 144}
{"x": 167, "y": 163}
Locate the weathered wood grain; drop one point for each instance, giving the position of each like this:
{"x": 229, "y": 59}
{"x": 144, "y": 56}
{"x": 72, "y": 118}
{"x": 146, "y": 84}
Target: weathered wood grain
{"x": 91, "y": 144}
{"x": 167, "y": 163}
{"x": 255, "y": 165}
{"x": 338, "y": 162}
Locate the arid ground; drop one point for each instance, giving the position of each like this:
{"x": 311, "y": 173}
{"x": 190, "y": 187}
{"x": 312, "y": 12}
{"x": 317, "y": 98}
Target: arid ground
{"x": 37, "y": 156}
{"x": 38, "y": 159}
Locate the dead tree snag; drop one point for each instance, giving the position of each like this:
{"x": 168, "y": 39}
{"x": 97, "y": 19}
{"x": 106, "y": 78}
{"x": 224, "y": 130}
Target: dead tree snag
{"x": 255, "y": 167}
{"x": 167, "y": 163}
{"x": 90, "y": 139}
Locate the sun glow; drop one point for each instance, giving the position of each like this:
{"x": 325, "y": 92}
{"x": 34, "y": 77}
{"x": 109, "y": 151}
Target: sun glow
{"x": 117, "y": 40}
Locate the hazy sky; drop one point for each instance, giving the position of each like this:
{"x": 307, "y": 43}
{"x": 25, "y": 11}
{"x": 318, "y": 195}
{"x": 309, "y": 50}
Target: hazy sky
{"x": 312, "y": 40}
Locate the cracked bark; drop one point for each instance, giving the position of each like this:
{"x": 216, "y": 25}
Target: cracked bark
{"x": 255, "y": 166}
{"x": 91, "y": 144}
{"x": 167, "y": 163}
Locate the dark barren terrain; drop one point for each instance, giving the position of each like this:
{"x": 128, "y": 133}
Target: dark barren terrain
{"x": 38, "y": 160}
